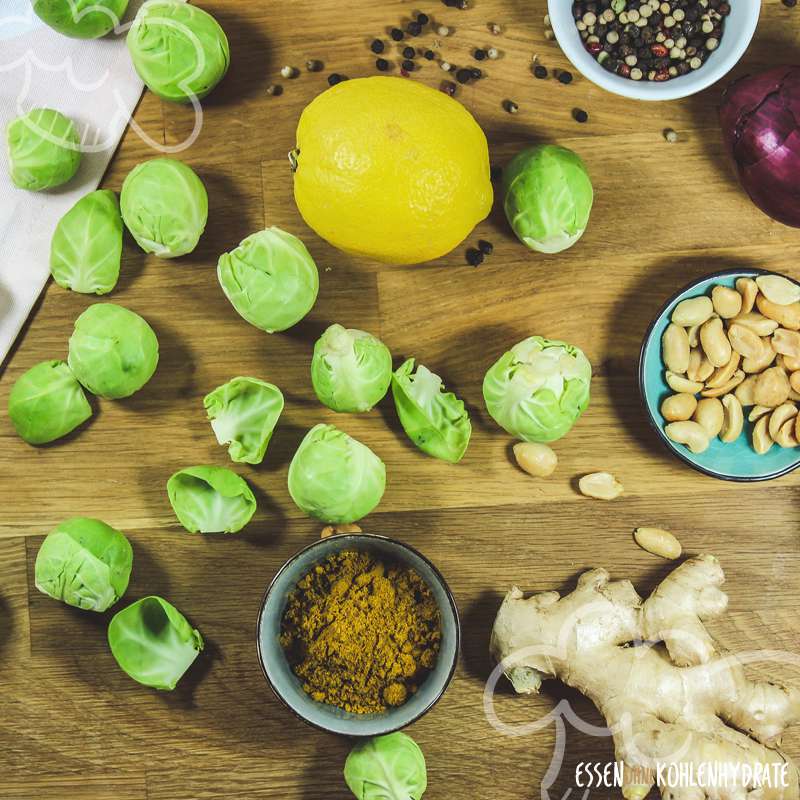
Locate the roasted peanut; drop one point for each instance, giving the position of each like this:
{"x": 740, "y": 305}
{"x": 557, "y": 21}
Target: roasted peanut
{"x": 784, "y": 437}
{"x": 709, "y": 413}
{"x": 744, "y": 341}
{"x": 781, "y": 414}
{"x": 756, "y": 412}
{"x": 786, "y": 342}
{"x": 791, "y": 364}
{"x": 758, "y": 323}
{"x": 785, "y": 316}
{"x": 714, "y": 341}
{"x": 692, "y": 434}
{"x": 693, "y": 311}
{"x": 700, "y": 368}
{"x": 721, "y": 375}
{"x": 745, "y": 391}
{"x": 727, "y": 302}
{"x": 680, "y": 384}
{"x": 658, "y": 542}
{"x": 772, "y": 388}
{"x": 733, "y": 419}
{"x": 754, "y": 365}
{"x": 675, "y": 348}
{"x": 678, "y": 407}
{"x": 748, "y": 289}
{"x": 693, "y": 332}
{"x": 778, "y": 290}
{"x": 601, "y": 485}
{"x": 738, "y": 377}
{"x": 536, "y": 459}
{"x": 762, "y": 441}
{"x": 794, "y": 381}
{"x": 797, "y": 427}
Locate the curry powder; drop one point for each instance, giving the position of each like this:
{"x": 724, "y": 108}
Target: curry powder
{"x": 360, "y": 634}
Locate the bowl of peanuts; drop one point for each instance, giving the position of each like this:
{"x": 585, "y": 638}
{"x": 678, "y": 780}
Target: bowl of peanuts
{"x": 719, "y": 374}
{"x": 654, "y": 49}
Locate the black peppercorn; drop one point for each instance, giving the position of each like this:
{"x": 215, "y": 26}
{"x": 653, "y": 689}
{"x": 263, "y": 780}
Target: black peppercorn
{"x": 476, "y": 73}
{"x": 580, "y": 115}
{"x": 377, "y": 46}
{"x": 409, "y": 52}
{"x": 463, "y": 75}
{"x": 429, "y": 54}
{"x": 485, "y": 247}
{"x": 474, "y": 257}
{"x": 414, "y": 28}
{"x": 540, "y": 72}
{"x": 479, "y": 54}
{"x": 335, "y": 78}
{"x": 408, "y": 65}
{"x": 423, "y": 19}
{"x": 565, "y": 76}
{"x": 396, "y": 34}
{"x": 382, "y": 64}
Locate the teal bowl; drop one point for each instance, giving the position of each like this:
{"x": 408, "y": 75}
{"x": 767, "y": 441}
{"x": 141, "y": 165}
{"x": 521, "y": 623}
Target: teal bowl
{"x": 285, "y": 684}
{"x": 736, "y": 461}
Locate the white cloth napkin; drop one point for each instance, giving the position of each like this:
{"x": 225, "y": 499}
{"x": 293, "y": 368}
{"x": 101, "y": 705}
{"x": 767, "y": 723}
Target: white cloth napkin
{"x": 93, "y": 82}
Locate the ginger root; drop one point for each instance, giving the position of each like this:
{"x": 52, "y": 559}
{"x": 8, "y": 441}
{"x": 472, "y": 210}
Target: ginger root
{"x": 654, "y": 672}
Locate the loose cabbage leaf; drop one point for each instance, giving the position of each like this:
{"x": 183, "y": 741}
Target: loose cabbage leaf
{"x": 243, "y": 414}
{"x": 86, "y": 248}
{"x": 153, "y": 642}
{"x": 47, "y": 402}
{"x": 435, "y": 420}
{"x": 351, "y": 369}
{"x": 81, "y": 19}
{"x": 388, "y": 767}
{"x": 208, "y": 499}
{"x": 84, "y": 563}
{"x": 538, "y": 389}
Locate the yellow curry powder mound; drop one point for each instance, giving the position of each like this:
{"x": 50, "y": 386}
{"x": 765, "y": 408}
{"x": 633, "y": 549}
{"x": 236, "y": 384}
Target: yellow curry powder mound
{"x": 360, "y": 634}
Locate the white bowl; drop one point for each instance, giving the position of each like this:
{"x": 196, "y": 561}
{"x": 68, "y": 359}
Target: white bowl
{"x": 740, "y": 25}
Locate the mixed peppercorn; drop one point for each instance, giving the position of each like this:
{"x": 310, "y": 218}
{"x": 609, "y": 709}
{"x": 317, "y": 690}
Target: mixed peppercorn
{"x": 653, "y": 40}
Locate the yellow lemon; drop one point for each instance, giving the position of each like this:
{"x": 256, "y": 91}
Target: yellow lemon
{"x": 391, "y": 169}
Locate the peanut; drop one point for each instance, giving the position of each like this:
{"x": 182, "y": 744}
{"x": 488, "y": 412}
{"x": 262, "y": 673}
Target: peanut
{"x": 758, "y": 323}
{"x": 794, "y": 381}
{"x": 693, "y": 311}
{"x": 727, "y": 302}
{"x": 778, "y": 290}
{"x": 733, "y": 420}
{"x": 754, "y": 365}
{"x": 536, "y": 459}
{"x": 797, "y": 427}
{"x": 678, "y": 407}
{"x": 738, "y": 377}
{"x": 714, "y": 341}
{"x": 786, "y": 342}
{"x": 700, "y": 368}
{"x": 756, "y": 412}
{"x": 675, "y": 348}
{"x": 779, "y": 416}
{"x": 710, "y": 414}
{"x": 692, "y": 434}
{"x": 791, "y": 364}
{"x": 334, "y": 530}
{"x": 772, "y": 388}
{"x": 748, "y": 289}
{"x": 744, "y": 341}
{"x": 722, "y": 375}
{"x": 693, "y": 332}
{"x": 601, "y": 486}
{"x": 745, "y": 391}
{"x": 658, "y": 542}
{"x": 784, "y": 436}
{"x": 785, "y": 316}
{"x": 680, "y": 384}
{"x": 762, "y": 441}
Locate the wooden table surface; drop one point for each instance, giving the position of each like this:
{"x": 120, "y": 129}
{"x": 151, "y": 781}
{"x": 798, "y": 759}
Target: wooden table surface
{"x": 72, "y": 725}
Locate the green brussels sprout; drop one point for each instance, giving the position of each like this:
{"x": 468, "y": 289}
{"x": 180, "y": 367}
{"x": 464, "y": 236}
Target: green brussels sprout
{"x": 84, "y": 563}
{"x": 86, "y": 249}
{"x": 179, "y": 50}
{"x": 270, "y": 279}
{"x": 81, "y": 19}
{"x": 334, "y": 477}
{"x": 538, "y": 389}
{"x": 113, "y": 352}
{"x": 386, "y": 768}
{"x": 243, "y": 414}
{"x": 351, "y": 370}
{"x": 208, "y": 499}
{"x": 44, "y": 149}
{"x": 165, "y": 207}
{"x": 47, "y": 402}
{"x": 153, "y": 642}
{"x": 435, "y": 420}
{"x": 548, "y": 196}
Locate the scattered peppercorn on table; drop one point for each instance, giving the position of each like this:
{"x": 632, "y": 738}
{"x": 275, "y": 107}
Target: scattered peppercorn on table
{"x": 667, "y": 209}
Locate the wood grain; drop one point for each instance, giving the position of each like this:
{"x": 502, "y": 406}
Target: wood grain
{"x": 73, "y": 725}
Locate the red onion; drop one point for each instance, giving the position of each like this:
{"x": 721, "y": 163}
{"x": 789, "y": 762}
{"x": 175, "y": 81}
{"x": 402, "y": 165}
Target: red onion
{"x": 760, "y": 118}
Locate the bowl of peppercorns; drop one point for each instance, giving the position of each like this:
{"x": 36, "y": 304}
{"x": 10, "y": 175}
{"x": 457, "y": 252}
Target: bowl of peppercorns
{"x": 654, "y": 49}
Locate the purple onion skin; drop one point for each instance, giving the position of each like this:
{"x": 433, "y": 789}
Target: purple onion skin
{"x": 760, "y": 117}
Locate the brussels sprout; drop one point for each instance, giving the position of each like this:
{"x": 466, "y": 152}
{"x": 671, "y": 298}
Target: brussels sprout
{"x": 165, "y": 207}
{"x": 85, "y": 563}
{"x": 86, "y": 248}
{"x": 270, "y": 279}
{"x": 538, "y": 389}
{"x": 47, "y": 402}
{"x": 435, "y": 420}
{"x": 44, "y": 149}
{"x": 179, "y": 50}
{"x": 209, "y": 499}
{"x": 113, "y": 352}
{"x": 153, "y": 642}
{"x": 351, "y": 370}
{"x": 334, "y": 477}
{"x": 548, "y": 197}
{"x": 243, "y": 413}
{"x": 386, "y": 768}
{"x": 81, "y": 19}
